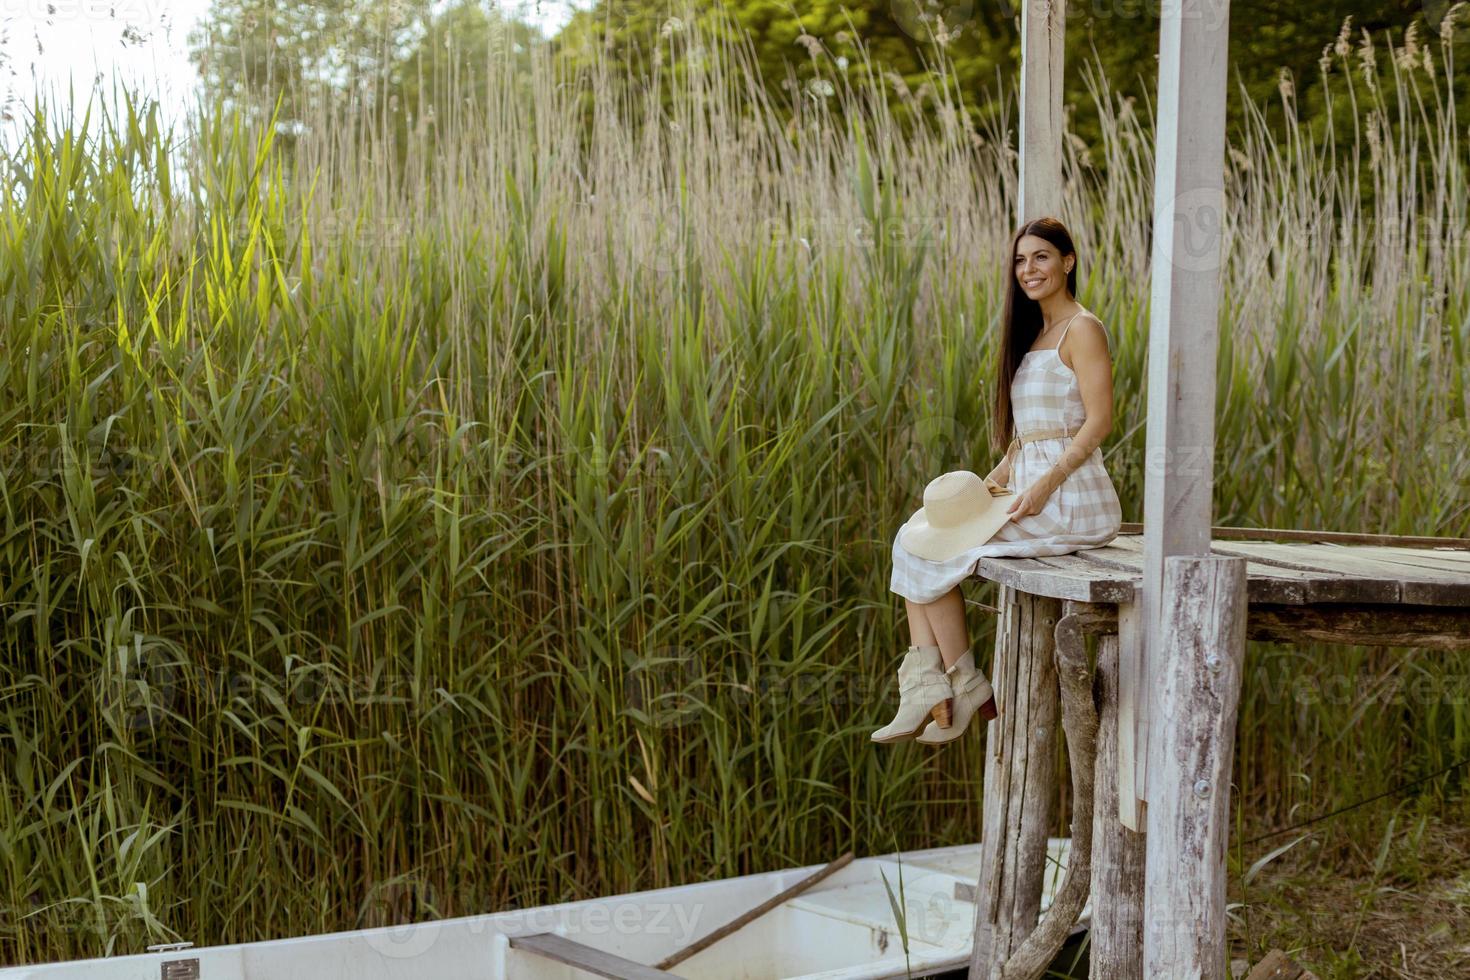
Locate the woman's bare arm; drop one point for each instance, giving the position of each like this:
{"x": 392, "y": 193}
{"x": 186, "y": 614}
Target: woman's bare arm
{"x": 1086, "y": 345}
{"x": 1002, "y": 472}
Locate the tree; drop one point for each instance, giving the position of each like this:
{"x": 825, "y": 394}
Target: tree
{"x": 465, "y": 56}
{"x": 822, "y": 41}
{"x": 978, "y": 44}
{"x": 249, "y": 53}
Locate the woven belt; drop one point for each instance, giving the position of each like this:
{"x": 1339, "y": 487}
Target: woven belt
{"x": 1036, "y": 434}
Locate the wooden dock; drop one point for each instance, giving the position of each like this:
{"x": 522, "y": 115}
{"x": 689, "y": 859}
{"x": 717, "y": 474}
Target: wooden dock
{"x": 1173, "y": 606}
{"x": 1307, "y": 588}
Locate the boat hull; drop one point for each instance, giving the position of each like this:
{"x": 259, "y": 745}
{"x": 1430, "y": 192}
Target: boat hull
{"x": 843, "y": 928}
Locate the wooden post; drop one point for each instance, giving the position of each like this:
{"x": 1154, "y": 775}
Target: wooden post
{"x": 1187, "y": 245}
{"x": 1132, "y": 697}
{"x": 1020, "y": 771}
{"x": 1204, "y": 610}
{"x": 1043, "y": 25}
{"x": 1079, "y": 720}
{"x": 1116, "y": 927}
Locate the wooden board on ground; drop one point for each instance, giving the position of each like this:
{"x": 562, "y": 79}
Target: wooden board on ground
{"x": 1278, "y": 966}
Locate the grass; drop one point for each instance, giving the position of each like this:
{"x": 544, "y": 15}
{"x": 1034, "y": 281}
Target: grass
{"x": 391, "y": 537}
{"x": 1346, "y": 906}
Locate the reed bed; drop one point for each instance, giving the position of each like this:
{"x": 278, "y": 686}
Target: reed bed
{"x": 394, "y": 535}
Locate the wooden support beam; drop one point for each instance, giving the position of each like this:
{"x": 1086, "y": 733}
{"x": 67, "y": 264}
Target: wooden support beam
{"x": 1202, "y": 660}
{"x": 1188, "y": 226}
{"x": 584, "y": 957}
{"x": 1361, "y": 623}
{"x": 1079, "y": 720}
{"x": 1431, "y": 627}
{"x": 1020, "y": 770}
{"x": 1116, "y": 925}
{"x": 1133, "y": 697}
{"x": 1043, "y": 26}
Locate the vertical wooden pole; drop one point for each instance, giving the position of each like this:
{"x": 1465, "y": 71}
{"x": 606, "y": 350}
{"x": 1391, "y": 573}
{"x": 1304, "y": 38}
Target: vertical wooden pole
{"x": 1116, "y": 927}
{"x": 1043, "y": 24}
{"x": 1131, "y": 694}
{"x": 1036, "y": 953}
{"x": 1204, "y": 609}
{"x": 1189, "y": 218}
{"x": 1020, "y": 770}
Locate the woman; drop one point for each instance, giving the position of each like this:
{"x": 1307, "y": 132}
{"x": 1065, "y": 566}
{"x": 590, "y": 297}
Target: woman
{"x": 1054, "y": 375}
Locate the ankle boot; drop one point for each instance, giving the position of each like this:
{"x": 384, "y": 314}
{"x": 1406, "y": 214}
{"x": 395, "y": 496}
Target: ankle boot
{"x": 972, "y": 694}
{"x": 924, "y": 693}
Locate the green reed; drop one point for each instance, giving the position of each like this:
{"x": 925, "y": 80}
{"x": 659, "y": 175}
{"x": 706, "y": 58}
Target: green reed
{"x": 391, "y": 536}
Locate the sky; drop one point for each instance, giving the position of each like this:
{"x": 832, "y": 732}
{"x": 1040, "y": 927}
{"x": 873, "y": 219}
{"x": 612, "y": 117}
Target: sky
{"x": 44, "y": 44}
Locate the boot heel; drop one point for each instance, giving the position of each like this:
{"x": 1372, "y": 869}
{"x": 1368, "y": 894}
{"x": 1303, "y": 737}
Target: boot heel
{"x": 943, "y": 712}
{"x": 988, "y": 710}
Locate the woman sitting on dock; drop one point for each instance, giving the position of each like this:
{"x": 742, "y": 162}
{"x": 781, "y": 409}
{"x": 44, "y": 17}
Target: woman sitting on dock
{"x": 1053, "y": 382}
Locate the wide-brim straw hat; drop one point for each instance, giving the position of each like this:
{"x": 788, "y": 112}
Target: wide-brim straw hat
{"x": 960, "y": 512}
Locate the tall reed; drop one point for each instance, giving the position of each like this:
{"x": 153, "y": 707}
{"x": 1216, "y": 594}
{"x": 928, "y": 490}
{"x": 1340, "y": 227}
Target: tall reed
{"x": 508, "y": 522}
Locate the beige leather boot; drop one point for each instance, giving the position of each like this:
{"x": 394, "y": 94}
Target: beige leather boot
{"x": 923, "y": 691}
{"x": 972, "y": 693}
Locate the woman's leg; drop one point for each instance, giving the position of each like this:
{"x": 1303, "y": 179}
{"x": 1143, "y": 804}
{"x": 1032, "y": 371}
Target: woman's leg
{"x": 920, "y": 635}
{"x": 943, "y": 624}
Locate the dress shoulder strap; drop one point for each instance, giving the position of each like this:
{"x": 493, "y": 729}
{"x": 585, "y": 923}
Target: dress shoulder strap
{"x": 1069, "y": 326}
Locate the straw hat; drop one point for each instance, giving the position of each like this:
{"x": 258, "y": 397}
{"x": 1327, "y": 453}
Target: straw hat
{"x": 960, "y": 511}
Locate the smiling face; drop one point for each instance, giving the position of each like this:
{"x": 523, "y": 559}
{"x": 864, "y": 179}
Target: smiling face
{"x": 1040, "y": 268}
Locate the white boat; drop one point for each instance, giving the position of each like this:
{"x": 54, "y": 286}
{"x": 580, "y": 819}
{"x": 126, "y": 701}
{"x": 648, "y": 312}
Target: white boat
{"x": 842, "y": 927}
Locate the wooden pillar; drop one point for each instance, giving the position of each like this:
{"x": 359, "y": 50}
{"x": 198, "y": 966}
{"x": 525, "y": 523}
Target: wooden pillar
{"x": 1020, "y": 773}
{"x": 1189, "y": 222}
{"x": 1204, "y": 612}
{"x": 1043, "y": 27}
{"x": 1132, "y": 698}
{"x": 1116, "y": 927}
{"x": 1036, "y": 953}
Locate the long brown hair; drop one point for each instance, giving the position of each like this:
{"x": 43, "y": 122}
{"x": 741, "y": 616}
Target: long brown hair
{"x": 1020, "y": 323}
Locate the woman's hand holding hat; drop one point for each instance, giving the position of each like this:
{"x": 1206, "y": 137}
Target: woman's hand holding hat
{"x": 1031, "y": 500}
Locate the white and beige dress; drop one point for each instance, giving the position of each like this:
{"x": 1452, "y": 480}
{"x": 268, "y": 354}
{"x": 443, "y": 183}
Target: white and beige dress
{"x": 1083, "y": 512}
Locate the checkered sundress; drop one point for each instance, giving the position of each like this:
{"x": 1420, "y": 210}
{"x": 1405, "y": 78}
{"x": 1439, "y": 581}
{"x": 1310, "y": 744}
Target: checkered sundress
{"x": 1083, "y": 512}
